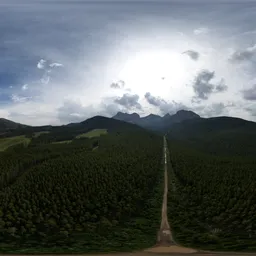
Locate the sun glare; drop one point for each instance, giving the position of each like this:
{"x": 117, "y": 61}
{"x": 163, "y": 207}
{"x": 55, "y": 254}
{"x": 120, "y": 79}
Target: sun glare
{"x": 148, "y": 70}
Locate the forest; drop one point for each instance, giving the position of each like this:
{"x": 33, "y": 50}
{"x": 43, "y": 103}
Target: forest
{"x": 212, "y": 198}
{"x": 67, "y": 193}
{"x": 91, "y": 195}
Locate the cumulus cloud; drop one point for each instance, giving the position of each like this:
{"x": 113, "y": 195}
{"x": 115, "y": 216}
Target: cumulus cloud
{"x": 41, "y": 64}
{"x": 200, "y": 31}
{"x": 118, "y": 85}
{"x": 155, "y": 101}
{"x": 203, "y": 85}
{"x": 243, "y": 55}
{"x": 164, "y": 106}
{"x": 250, "y": 94}
{"x": 24, "y": 87}
{"x": 129, "y": 101}
{"x": 192, "y": 54}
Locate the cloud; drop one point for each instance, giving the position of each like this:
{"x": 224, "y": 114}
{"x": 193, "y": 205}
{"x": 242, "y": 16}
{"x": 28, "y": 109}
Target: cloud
{"x": 251, "y": 110}
{"x": 243, "y": 55}
{"x": 41, "y": 64}
{"x": 203, "y": 86}
{"x": 164, "y": 106}
{"x": 250, "y": 94}
{"x": 215, "y": 109}
{"x": 118, "y": 85}
{"x": 16, "y": 98}
{"x": 155, "y": 101}
{"x": 192, "y": 54}
{"x": 200, "y": 31}
{"x": 45, "y": 79}
{"x": 72, "y": 111}
{"x": 110, "y": 109}
{"x": 129, "y": 101}
{"x": 33, "y": 113}
{"x": 221, "y": 86}
{"x": 48, "y": 68}
{"x": 24, "y": 87}
{"x": 53, "y": 65}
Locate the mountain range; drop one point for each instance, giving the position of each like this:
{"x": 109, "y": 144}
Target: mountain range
{"x": 183, "y": 121}
{"x": 155, "y": 122}
{"x": 151, "y": 122}
{"x": 215, "y": 134}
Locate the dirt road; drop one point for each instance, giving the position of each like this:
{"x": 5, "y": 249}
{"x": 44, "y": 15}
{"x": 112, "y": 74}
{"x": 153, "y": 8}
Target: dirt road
{"x": 165, "y": 241}
{"x": 164, "y": 234}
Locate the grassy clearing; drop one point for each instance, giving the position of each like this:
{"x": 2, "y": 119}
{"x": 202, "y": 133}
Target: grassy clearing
{"x": 92, "y": 133}
{"x": 62, "y": 142}
{"x": 37, "y": 134}
{"x": 8, "y": 142}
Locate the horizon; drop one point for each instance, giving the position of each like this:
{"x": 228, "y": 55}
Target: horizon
{"x": 140, "y": 116}
{"x": 65, "y": 61}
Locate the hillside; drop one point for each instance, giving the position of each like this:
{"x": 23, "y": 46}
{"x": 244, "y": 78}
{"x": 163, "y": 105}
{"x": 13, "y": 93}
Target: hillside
{"x": 218, "y": 135}
{"x": 70, "y": 131}
{"x": 6, "y": 125}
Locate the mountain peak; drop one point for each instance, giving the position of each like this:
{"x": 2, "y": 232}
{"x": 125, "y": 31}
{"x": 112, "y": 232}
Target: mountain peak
{"x": 187, "y": 113}
{"x": 127, "y": 114}
{"x": 152, "y": 116}
{"x": 166, "y": 116}
{"x": 134, "y": 114}
{"x": 127, "y": 117}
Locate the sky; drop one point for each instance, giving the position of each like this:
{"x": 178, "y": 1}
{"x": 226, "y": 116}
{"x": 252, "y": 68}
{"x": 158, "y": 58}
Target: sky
{"x": 65, "y": 61}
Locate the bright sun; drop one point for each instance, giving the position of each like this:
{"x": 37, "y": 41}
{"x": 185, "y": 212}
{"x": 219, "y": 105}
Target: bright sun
{"x": 154, "y": 71}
